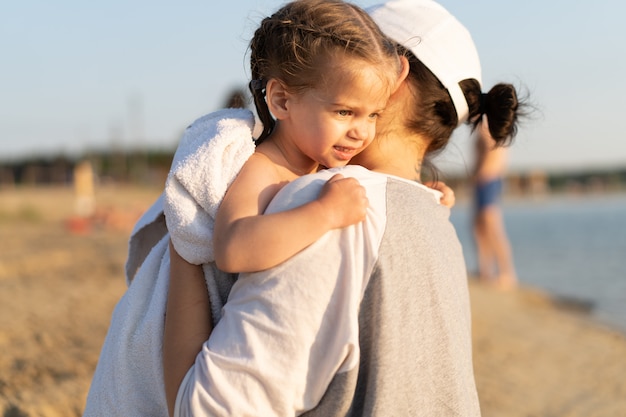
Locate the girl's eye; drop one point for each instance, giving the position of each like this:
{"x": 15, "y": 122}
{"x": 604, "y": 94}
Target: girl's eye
{"x": 373, "y": 116}
{"x": 344, "y": 112}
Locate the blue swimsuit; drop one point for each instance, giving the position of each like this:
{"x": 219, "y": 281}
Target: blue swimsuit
{"x": 488, "y": 193}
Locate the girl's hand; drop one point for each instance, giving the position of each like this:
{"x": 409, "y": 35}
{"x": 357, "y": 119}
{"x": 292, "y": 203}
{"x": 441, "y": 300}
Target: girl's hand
{"x": 345, "y": 201}
{"x": 448, "y": 199}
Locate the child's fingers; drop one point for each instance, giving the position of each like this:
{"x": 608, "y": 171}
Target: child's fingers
{"x": 335, "y": 177}
{"x": 346, "y": 199}
{"x": 448, "y": 198}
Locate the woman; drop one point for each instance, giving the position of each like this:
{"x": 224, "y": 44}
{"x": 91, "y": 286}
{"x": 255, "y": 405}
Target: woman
{"x": 495, "y": 255}
{"x": 372, "y": 319}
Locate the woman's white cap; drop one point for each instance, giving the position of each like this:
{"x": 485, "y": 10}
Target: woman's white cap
{"x": 436, "y": 38}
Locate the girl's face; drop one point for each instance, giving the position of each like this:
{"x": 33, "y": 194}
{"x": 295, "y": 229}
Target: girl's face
{"x": 332, "y": 123}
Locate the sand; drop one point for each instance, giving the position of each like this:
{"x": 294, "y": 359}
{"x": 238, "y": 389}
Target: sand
{"x": 60, "y": 280}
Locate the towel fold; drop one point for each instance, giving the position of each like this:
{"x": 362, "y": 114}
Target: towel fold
{"x": 209, "y": 157}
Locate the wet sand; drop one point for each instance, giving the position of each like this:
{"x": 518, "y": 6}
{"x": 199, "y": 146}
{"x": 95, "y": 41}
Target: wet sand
{"x": 60, "y": 280}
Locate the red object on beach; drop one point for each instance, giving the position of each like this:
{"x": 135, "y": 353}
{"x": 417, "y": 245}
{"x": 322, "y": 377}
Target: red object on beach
{"x": 78, "y": 225}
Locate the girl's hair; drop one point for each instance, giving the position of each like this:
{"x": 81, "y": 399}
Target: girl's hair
{"x": 435, "y": 117}
{"x": 293, "y": 43}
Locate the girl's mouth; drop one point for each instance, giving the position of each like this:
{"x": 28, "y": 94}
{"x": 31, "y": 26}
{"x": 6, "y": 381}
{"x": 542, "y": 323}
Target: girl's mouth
{"x": 344, "y": 152}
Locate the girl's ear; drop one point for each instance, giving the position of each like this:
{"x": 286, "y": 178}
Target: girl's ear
{"x": 276, "y": 96}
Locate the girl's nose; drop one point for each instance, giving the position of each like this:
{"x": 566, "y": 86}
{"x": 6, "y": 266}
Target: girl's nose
{"x": 363, "y": 129}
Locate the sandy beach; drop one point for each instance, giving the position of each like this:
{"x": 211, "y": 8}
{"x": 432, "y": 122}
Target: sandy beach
{"x": 60, "y": 280}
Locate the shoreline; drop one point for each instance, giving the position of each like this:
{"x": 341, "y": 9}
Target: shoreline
{"x": 565, "y": 246}
{"x": 585, "y": 308}
{"x": 534, "y": 355}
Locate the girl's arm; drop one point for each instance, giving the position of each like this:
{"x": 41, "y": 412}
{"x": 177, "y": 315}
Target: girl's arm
{"x": 188, "y": 323}
{"x": 245, "y": 240}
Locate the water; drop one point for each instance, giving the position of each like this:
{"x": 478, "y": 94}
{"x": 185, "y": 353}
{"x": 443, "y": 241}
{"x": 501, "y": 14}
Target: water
{"x": 569, "y": 246}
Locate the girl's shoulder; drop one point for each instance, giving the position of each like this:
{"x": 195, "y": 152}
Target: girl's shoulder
{"x": 261, "y": 164}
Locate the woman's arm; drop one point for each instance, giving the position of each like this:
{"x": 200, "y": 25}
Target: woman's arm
{"x": 247, "y": 241}
{"x": 188, "y": 323}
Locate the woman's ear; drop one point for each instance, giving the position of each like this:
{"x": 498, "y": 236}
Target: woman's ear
{"x": 404, "y": 72}
{"x": 276, "y": 96}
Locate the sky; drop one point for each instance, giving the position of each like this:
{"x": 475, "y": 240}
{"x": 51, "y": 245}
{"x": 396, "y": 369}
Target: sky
{"x": 78, "y": 76}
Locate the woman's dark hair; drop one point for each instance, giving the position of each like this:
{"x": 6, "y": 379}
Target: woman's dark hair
{"x": 435, "y": 118}
{"x": 294, "y": 42}
{"x": 501, "y": 105}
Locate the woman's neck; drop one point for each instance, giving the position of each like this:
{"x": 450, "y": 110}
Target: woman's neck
{"x": 396, "y": 150}
{"x": 394, "y": 153}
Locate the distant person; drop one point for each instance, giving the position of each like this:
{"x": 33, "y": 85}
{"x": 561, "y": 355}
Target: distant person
{"x": 495, "y": 257}
{"x": 236, "y": 100}
{"x": 84, "y": 189}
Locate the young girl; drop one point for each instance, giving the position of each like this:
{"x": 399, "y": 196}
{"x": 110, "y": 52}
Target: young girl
{"x": 322, "y": 72}
{"x": 325, "y": 72}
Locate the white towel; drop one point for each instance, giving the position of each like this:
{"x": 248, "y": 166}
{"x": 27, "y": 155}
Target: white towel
{"x": 209, "y": 157}
{"x": 128, "y": 380}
